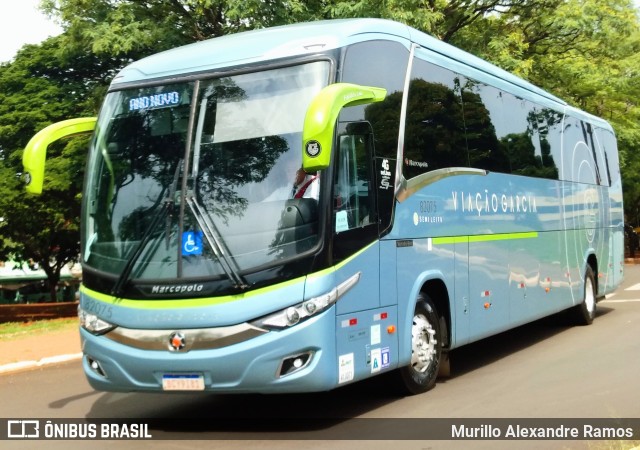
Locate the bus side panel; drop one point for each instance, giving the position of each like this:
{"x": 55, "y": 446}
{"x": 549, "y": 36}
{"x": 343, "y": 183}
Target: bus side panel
{"x": 587, "y": 210}
{"x": 617, "y": 265}
{"x": 514, "y": 281}
{"x": 388, "y": 267}
{"x": 583, "y": 232}
{"x": 460, "y": 306}
{"x": 603, "y": 248}
{"x": 489, "y": 287}
{"x": 615, "y": 219}
{"x": 365, "y": 294}
{"x": 539, "y": 277}
{"x": 539, "y": 284}
{"x": 513, "y": 270}
{"x": 419, "y": 261}
{"x": 366, "y": 338}
{"x": 611, "y": 268}
{"x": 366, "y": 343}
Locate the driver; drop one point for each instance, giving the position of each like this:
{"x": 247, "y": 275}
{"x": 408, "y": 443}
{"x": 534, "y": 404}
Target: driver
{"x": 305, "y": 185}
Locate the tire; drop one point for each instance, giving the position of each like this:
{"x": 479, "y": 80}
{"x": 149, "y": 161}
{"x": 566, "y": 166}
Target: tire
{"x": 426, "y": 348}
{"x": 585, "y": 312}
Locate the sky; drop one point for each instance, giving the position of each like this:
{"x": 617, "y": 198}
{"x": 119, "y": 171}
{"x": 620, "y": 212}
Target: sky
{"x": 21, "y": 24}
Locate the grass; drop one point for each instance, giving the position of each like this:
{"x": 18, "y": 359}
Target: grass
{"x": 15, "y": 330}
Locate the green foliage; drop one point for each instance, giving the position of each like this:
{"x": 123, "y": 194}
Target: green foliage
{"x": 585, "y": 51}
{"x": 421, "y": 14}
{"x": 140, "y": 27}
{"x": 42, "y": 85}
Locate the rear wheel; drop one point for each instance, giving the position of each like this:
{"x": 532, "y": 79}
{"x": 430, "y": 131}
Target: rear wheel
{"x": 585, "y": 312}
{"x": 426, "y": 348}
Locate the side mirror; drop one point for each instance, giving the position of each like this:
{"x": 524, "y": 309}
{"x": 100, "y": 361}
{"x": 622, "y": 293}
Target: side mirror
{"x": 35, "y": 153}
{"x": 321, "y": 116}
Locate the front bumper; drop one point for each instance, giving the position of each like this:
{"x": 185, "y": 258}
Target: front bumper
{"x": 254, "y": 365}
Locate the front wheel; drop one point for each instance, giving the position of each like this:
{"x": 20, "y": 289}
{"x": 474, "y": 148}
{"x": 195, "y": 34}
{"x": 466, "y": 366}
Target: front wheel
{"x": 585, "y": 312}
{"x": 426, "y": 348}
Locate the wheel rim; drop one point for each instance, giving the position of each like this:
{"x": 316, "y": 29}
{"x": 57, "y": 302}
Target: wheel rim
{"x": 589, "y": 297}
{"x": 423, "y": 343}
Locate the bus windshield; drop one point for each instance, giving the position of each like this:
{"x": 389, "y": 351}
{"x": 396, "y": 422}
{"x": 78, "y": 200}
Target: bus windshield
{"x": 195, "y": 179}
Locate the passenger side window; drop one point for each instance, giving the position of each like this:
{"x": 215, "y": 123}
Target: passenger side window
{"x": 607, "y": 144}
{"x": 546, "y": 126}
{"x": 483, "y": 108}
{"x": 354, "y": 196}
{"x": 434, "y": 135}
{"x": 580, "y": 162}
{"x": 524, "y": 136}
{"x": 354, "y": 193}
{"x": 377, "y": 57}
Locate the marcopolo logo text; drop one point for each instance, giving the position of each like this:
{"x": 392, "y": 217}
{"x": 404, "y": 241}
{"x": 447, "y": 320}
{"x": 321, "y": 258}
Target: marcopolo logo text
{"x": 177, "y": 289}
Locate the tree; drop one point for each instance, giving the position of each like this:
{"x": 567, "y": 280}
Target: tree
{"x": 118, "y": 27}
{"x": 42, "y": 85}
{"x": 585, "y": 51}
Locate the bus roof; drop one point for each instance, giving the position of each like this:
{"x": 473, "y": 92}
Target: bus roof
{"x": 237, "y": 50}
{"x": 250, "y": 47}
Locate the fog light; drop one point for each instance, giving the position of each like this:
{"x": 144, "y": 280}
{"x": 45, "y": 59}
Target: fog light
{"x": 96, "y": 367}
{"x": 293, "y": 364}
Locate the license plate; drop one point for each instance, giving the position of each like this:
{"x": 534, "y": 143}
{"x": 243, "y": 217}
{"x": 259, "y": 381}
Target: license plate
{"x": 182, "y": 382}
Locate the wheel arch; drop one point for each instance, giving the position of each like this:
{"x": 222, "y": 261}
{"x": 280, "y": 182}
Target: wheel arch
{"x": 425, "y": 335}
{"x": 592, "y": 261}
{"x": 432, "y": 284}
{"x": 439, "y": 295}
{"x": 584, "y": 312}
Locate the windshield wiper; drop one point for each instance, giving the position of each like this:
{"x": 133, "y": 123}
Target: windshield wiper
{"x": 165, "y": 210}
{"x": 171, "y": 202}
{"x": 137, "y": 251}
{"x": 214, "y": 238}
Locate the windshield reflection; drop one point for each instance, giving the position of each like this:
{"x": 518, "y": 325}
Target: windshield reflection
{"x": 223, "y": 211}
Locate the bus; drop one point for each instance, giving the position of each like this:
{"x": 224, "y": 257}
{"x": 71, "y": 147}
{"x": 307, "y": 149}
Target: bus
{"x": 453, "y": 201}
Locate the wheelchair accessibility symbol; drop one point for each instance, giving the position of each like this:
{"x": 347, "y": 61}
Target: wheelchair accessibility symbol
{"x": 191, "y": 243}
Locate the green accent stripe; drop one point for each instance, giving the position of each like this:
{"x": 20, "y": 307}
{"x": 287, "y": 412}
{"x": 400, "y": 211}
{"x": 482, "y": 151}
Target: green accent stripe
{"x": 341, "y": 264}
{"x": 160, "y": 303}
{"x": 450, "y": 240}
{"x": 484, "y": 238}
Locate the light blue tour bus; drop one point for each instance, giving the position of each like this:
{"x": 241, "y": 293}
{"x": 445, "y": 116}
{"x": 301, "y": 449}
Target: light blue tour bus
{"x": 452, "y": 201}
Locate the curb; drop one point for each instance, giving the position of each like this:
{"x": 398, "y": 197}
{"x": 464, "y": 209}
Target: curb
{"x": 27, "y": 365}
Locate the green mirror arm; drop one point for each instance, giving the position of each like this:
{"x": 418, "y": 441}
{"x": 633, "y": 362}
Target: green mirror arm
{"x": 321, "y": 116}
{"x": 35, "y": 153}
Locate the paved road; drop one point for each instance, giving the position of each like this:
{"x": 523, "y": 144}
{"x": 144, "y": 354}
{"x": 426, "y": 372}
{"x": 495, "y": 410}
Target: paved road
{"x": 543, "y": 370}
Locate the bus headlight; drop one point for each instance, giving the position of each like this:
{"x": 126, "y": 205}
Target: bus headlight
{"x": 295, "y": 314}
{"x": 92, "y": 323}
